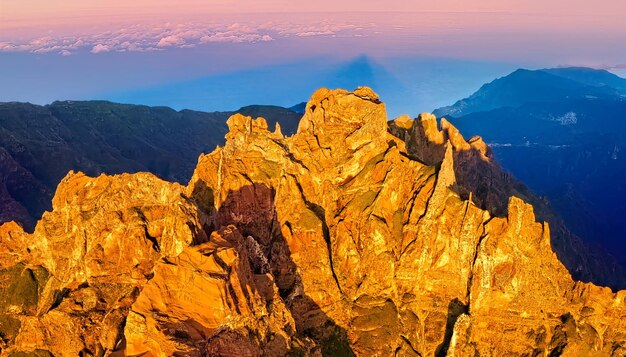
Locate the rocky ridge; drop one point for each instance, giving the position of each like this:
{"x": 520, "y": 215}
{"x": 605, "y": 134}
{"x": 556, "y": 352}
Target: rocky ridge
{"x": 342, "y": 239}
{"x": 561, "y": 132}
{"x": 480, "y": 179}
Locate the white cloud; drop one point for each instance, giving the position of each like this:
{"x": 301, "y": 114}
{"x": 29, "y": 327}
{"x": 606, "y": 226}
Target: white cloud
{"x": 79, "y": 43}
{"x": 170, "y": 41}
{"x": 99, "y": 48}
{"x": 191, "y": 34}
{"x": 6, "y": 46}
{"x": 314, "y": 33}
{"x": 235, "y": 37}
{"x": 41, "y": 42}
{"x": 47, "y": 49}
{"x": 152, "y": 37}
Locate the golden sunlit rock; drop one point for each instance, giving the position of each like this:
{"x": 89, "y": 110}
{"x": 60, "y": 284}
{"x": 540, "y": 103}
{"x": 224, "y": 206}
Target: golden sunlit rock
{"x": 351, "y": 237}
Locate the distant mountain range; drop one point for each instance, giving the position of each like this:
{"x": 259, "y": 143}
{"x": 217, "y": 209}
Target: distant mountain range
{"x": 40, "y": 144}
{"x": 539, "y": 86}
{"x": 561, "y": 131}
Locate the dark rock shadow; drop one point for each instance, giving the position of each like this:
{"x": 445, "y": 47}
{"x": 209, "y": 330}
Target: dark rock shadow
{"x": 252, "y": 210}
{"x": 455, "y": 309}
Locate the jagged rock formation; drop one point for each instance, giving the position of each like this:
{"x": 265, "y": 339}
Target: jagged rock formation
{"x": 337, "y": 240}
{"x": 561, "y": 132}
{"x": 480, "y": 179}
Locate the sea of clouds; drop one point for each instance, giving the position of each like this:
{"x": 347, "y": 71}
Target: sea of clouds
{"x": 158, "y": 37}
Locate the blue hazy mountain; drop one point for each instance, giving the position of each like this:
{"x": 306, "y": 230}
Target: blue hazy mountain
{"x": 563, "y": 133}
{"x": 298, "y": 108}
{"x": 531, "y": 86}
{"x": 590, "y": 76}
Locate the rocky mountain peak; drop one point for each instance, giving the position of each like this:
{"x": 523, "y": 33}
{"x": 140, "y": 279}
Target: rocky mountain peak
{"x": 241, "y": 124}
{"x": 343, "y": 122}
{"x": 345, "y": 238}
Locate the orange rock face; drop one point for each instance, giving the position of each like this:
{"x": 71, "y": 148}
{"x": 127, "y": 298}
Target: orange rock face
{"x": 342, "y": 239}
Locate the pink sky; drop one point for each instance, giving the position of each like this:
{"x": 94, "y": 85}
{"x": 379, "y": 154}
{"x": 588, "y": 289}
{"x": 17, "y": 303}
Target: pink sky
{"x": 37, "y": 10}
{"x": 27, "y": 20}
{"x": 572, "y": 32}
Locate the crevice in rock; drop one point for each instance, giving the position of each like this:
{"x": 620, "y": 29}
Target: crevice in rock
{"x": 290, "y": 154}
{"x": 428, "y": 201}
{"x": 408, "y": 342}
{"x": 321, "y": 215}
{"x": 233, "y": 295}
{"x": 455, "y": 309}
{"x": 148, "y": 236}
{"x": 222, "y": 263}
{"x": 366, "y": 98}
{"x": 59, "y": 295}
{"x": 358, "y": 128}
{"x": 467, "y": 204}
{"x": 380, "y": 218}
{"x": 416, "y": 192}
{"x": 153, "y": 240}
{"x": 471, "y": 271}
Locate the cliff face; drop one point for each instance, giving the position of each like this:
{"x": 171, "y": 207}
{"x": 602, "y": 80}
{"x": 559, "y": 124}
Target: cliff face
{"x": 338, "y": 240}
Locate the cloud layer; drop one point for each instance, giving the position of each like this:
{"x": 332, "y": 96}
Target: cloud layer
{"x": 142, "y": 38}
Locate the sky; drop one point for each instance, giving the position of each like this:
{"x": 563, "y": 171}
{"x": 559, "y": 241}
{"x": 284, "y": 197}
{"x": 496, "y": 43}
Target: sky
{"x": 37, "y": 9}
{"x": 220, "y": 55}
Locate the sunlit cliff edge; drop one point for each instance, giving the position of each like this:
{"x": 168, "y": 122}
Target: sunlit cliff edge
{"x": 354, "y": 236}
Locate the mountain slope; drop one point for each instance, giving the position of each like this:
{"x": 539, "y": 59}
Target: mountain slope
{"x": 39, "y": 144}
{"x": 526, "y": 86}
{"x": 590, "y": 76}
{"x": 334, "y": 241}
